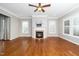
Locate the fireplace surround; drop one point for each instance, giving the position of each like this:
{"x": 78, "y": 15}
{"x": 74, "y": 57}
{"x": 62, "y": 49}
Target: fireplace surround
{"x": 39, "y": 26}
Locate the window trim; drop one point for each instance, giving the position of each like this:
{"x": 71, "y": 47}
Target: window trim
{"x": 71, "y": 28}
{"x": 22, "y": 27}
{"x": 66, "y": 26}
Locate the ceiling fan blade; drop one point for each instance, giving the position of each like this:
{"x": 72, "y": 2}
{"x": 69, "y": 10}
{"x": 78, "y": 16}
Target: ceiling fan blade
{"x": 32, "y": 5}
{"x": 35, "y": 10}
{"x": 39, "y": 4}
{"x": 46, "y": 5}
{"x": 43, "y": 10}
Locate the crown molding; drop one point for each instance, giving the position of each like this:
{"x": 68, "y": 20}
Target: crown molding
{"x": 52, "y": 18}
{"x": 26, "y": 17}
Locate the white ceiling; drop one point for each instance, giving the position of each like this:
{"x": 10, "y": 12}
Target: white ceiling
{"x": 23, "y": 10}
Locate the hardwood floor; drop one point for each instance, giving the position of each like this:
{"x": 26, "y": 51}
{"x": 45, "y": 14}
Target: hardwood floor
{"x": 35, "y": 47}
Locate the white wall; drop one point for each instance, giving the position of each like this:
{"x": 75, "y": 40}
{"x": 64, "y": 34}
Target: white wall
{"x": 53, "y": 33}
{"x": 72, "y": 15}
{"x": 53, "y": 28}
{"x": 14, "y": 28}
{"x": 30, "y": 28}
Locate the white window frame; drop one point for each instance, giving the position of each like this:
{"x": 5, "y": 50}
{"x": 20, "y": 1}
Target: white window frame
{"x": 75, "y": 26}
{"x": 26, "y": 26}
{"x": 66, "y": 26}
{"x": 71, "y": 28}
{"x": 50, "y": 26}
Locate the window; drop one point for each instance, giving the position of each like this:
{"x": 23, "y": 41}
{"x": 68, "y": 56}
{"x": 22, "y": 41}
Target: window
{"x": 25, "y": 27}
{"x": 76, "y": 31}
{"x": 67, "y": 27}
{"x": 71, "y": 27}
{"x": 52, "y": 27}
{"x": 76, "y": 27}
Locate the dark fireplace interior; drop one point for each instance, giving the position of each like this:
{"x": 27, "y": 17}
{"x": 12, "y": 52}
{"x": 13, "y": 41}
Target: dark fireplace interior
{"x": 39, "y": 34}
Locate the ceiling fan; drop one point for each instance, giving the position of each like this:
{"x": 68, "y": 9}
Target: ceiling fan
{"x": 40, "y": 7}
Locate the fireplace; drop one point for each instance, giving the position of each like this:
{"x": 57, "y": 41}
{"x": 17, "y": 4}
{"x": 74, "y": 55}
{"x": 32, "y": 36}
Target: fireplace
{"x": 39, "y": 26}
{"x": 39, "y": 34}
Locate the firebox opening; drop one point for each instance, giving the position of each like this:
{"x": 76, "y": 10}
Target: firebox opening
{"x": 39, "y": 34}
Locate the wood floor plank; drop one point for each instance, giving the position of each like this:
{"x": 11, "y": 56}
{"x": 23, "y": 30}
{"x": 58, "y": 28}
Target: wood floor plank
{"x": 52, "y": 46}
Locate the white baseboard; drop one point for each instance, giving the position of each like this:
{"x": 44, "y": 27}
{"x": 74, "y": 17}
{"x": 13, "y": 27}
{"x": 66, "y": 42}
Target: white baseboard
{"x": 53, "y": 36}
{"x": 25, "y": 35}
{"x": 69, "y": 40}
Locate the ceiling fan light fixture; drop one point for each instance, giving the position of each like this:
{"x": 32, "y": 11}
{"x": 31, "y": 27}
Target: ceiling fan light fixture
{"x": 39, "y": 9}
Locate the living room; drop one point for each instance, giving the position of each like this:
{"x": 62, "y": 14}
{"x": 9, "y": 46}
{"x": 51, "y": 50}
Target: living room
{"x": 39, "y": 29}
